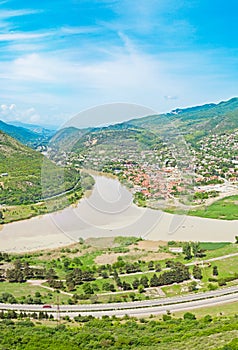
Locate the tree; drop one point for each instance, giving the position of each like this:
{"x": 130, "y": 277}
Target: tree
{"x": 187, "y": 251}
{"x": 151, "y": 265}
{"x": 212, "y": 286}
{"x": 1, "y": 217}
{"x": 27, "y": 270}
{"x": 169, "y": 263}
{"x": 70, "y": 286}
{"x": 141, "y": 288}
{"x": 56, "y": 284}
{"x": 50, "y": 274}
{"x": 215, "y": 271}
{"x": 192, "y": 286}
{"x": 189, "y": 316}
{"x": 15, "y": 275}
{"x": 126, "y": 286}
{"x": 104, "y": 274}
{"x": 144, "y": 281}
{"x": 207, "y": 318}
{"x": 136, "y": 283}
{"x": 197, "y": 272}
{"x": 17, "y": 264}
{"x": 196, "y": 248}
{"x": 154, "y": 281}
{"x": 87, "y": 289}
{"x": 132, "y": 295}
{"x": 158, "y": 267}
{"x": 236, "y": 237}
{"x": 108, "y": 287}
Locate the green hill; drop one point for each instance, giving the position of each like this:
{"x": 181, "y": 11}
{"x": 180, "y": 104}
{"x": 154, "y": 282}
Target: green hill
{"x": 195, "y": 122}
{"x": 147, "y": 132}
{"x": 26, "y": 176}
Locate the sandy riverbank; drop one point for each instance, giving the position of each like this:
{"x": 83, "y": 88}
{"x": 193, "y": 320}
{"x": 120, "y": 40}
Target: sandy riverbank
{"x": 110, "y": 211}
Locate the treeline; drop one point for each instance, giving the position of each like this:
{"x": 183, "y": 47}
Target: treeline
{"x": 22, "y": 271}
{"x": 20, "y": 331}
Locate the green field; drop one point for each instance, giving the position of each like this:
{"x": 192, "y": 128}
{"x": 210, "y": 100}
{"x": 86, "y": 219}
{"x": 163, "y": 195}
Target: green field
{"x": 22, "y": 292}
{"x": 225, "y": 209}
{"x": 213, "y": 245}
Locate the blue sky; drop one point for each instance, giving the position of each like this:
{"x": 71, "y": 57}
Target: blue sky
{"x": 58, "y": 58}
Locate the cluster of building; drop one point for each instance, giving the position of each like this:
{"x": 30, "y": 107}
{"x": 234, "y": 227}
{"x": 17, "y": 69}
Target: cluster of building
{"x": 166, "y": 173}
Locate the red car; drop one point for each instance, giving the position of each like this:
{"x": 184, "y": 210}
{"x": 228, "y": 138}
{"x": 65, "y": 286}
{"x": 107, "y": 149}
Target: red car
{"x": 47, "y": 306}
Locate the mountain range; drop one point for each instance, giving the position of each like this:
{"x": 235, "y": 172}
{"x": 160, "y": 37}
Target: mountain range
{"x": 192, "y": 124}
{"x": 30, "y": 135}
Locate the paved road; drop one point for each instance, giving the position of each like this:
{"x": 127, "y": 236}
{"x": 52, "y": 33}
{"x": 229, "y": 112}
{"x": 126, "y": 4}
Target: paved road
{"x": 226, "y": 294}
{"x": 157, "y": 310}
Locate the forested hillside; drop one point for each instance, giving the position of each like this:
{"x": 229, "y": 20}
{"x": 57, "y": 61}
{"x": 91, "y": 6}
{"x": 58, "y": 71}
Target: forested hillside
{"x": 26, "y": 176}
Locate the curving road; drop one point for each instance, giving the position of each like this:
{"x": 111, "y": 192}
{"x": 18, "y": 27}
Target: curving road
{"x": 146, "y": 307}
{"x": 157, "y": 310}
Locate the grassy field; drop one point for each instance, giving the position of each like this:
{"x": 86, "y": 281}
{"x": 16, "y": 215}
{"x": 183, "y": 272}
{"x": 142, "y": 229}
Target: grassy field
{"x": 22, "y": 290}
{"x": 226, "y": 209}
{"x": 214, "y": 250}
{"x": 213, "y": 245}
{"x": 230, "y": 309}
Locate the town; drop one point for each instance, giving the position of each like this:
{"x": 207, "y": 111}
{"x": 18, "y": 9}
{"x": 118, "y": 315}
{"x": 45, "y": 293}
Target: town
{"x": 165, "y": 175}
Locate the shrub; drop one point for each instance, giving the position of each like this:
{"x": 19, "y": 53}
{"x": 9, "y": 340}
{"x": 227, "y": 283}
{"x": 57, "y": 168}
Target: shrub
{"x": 189, "y": 316}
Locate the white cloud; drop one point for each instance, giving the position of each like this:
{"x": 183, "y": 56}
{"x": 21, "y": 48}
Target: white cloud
{"x": 11, "y": 35}
{"x": 4, "y": 107}
{"x": 12, "y": 107}
{"x": 168, "y": 97}
{"x": 5, "y": 14}
{"x": 14, "y": 36}
{"x": 12, "y": 112}
{"x": 76, "y": 78}
{"x": 78, "y": 30}
{"x": 32, "y": 67}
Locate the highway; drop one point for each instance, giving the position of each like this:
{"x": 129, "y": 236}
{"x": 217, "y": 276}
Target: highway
{"x": 156, "y": 306}
{"x": 158, "y": 310}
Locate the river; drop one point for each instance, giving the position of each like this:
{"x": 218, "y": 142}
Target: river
{"x": 110, "y": 211}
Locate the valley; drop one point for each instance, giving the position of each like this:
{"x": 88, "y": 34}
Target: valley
{"x": 139, "y": 226}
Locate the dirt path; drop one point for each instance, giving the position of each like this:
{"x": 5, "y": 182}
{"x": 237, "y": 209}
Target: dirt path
{"x": 39, "y": 283}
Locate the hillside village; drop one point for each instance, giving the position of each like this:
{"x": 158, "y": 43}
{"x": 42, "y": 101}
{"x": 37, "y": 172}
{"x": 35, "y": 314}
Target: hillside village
{"x": 159, "y": 176}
